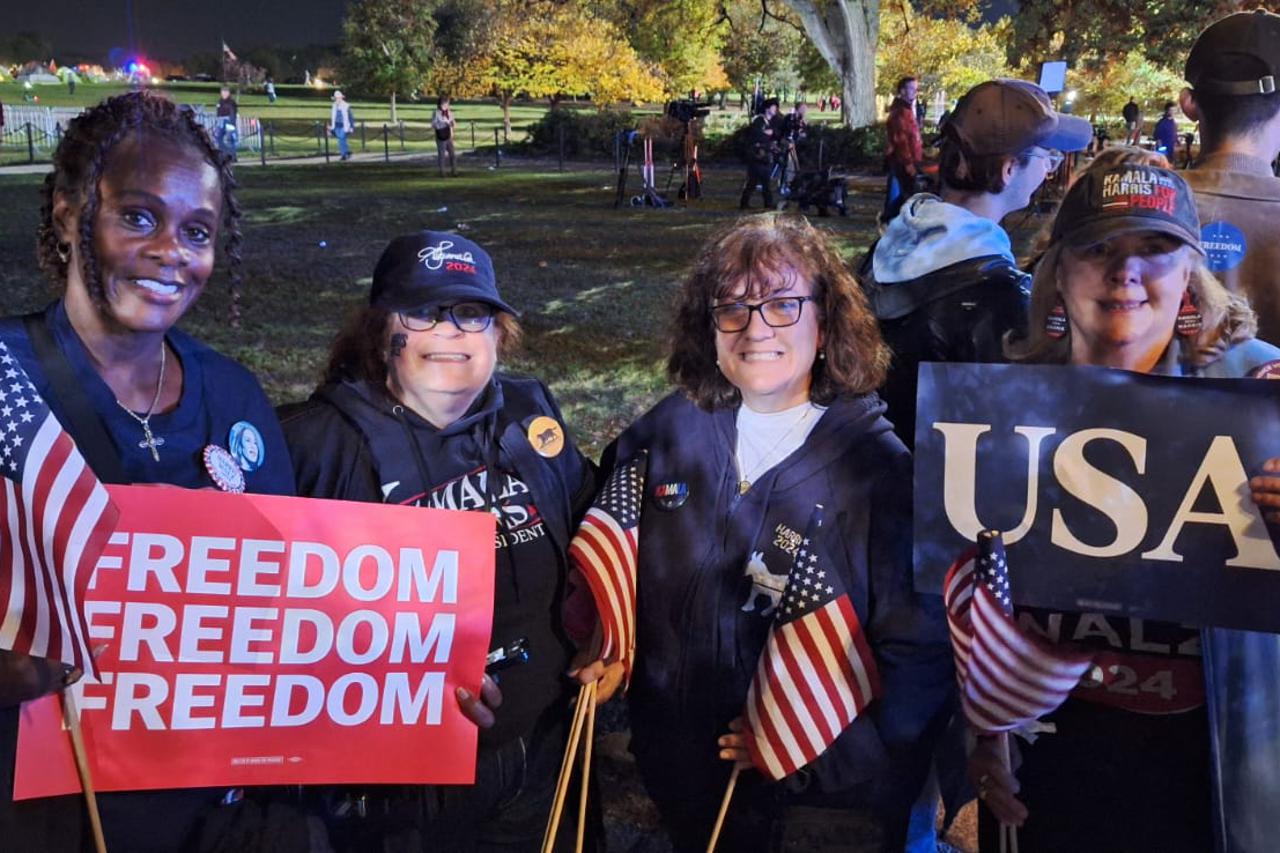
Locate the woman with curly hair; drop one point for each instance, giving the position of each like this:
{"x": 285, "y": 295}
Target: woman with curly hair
{"x": 776, "y": 356}
{"x": 134, "y": 209}
{"x": 1142, "y": 761}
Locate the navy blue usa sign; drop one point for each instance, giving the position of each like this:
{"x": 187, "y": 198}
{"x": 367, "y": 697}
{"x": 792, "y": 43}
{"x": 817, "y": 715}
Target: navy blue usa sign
{"x": 1117, "y": 493}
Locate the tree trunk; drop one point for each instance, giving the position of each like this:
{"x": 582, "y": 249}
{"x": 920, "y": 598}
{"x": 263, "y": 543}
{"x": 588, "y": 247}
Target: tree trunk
{"x": 506, "y": 113}
{"x": 393, "y": 106}
{"x": 846, "y": 33}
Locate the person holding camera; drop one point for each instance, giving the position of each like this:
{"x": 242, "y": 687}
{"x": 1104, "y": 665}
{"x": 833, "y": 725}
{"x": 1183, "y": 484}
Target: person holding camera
{"x": 794, "y": 131}
{"x": 762, "y": 144}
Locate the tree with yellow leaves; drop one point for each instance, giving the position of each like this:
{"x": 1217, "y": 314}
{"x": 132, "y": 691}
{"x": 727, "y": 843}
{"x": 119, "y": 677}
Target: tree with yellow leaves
{"x": 949, "y": 54}
{"x": 548, "y": 50}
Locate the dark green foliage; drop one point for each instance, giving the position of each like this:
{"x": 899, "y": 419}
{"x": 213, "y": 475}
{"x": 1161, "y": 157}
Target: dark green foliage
{"x": 587, "y": 133}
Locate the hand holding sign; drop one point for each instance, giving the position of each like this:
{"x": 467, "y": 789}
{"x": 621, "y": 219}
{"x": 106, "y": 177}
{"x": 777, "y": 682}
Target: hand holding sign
{"x": 1265, "y": 490}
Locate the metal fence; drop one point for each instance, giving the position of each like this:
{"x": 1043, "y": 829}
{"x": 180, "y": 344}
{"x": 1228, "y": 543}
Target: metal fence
{"x": 31, "y": 134}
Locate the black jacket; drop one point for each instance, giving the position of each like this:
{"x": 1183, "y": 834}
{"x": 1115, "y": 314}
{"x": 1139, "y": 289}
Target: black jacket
{"x": 957, "y": 313}
{"x": 703, "y": 617}
{"x": 350, "y": 441}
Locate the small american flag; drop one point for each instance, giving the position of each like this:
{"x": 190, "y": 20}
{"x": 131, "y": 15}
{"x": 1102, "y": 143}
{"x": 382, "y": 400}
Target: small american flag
{"x": 604, "y": 551}
{"x": 1008, "y": 677}
{"x": 54, "y": 521}
{"x": 816, "y": 672}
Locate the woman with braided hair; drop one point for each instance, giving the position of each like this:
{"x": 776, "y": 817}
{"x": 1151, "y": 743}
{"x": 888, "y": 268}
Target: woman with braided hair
{"x": 133, "y": 210}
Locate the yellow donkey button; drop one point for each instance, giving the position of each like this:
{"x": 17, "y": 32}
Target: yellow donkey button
{"x": 546, "y": 436}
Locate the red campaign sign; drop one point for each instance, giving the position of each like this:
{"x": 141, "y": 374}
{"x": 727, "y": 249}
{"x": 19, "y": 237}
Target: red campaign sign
{"x": 262, "y": 640}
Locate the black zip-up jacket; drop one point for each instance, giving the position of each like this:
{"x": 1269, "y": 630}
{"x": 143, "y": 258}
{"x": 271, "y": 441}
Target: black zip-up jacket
{"x": 958, "y": 313}
{"x": 706, "y": 564}
{"x": 351, "y": 441}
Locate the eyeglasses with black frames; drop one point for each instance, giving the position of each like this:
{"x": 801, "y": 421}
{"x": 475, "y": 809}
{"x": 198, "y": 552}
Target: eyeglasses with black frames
{"x": 466, "y": 316}
{"x": 779, "y": 312}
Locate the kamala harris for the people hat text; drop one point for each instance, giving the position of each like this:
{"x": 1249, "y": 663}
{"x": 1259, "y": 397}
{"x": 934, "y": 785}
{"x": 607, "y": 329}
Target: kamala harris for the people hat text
{"x": 1123, "y": 199}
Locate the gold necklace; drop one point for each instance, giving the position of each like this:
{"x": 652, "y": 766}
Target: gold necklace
{"x": 149, "y": 441}
{"x": 746, "y": 478}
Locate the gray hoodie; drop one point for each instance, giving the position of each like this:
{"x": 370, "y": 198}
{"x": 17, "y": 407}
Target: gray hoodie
{"x": 930, "y": 234}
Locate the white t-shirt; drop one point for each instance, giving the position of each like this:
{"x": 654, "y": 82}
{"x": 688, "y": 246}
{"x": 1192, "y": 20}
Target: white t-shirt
{"x": 766, "y": 438}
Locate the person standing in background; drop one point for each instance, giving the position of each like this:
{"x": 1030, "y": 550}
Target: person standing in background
{"x": 225, "y": 132}
{"x": 340, "y": 123}
{"x": 1132, "y": 122}
{"x": 444, "y": 124}
{"x": 904, "y": 150}
{"x": 1166, "y": 132}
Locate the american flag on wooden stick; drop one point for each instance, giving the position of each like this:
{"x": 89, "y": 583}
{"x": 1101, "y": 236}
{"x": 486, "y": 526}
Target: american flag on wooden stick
{"x": 816, "y": 673}
{"x": 604, "y": 550}
{"x": 1008, "y": 677}
{"x": 55, "y": 518}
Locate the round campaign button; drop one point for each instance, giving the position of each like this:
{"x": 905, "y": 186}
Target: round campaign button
{"x": 224, "y": 470}
{"x": 546, "y": 436}
{"x": 246, "y": 446}
{"x": 1224, "y": 245}
{"x": 671, "y": 495}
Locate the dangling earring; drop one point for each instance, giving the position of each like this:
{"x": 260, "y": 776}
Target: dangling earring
{"x": 822, "y": 355}
{"x": 1055, "y": 324}
{"x": 1190, "y": 320}
{"x": 64, "y": 252}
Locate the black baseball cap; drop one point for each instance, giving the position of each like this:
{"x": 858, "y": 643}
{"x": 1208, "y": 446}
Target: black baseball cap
{"x": 1236, "y": 55}
{"x": 1009, "y": 116}
{"x": 1107, "y": 202}
{"x": 434, "y": 268}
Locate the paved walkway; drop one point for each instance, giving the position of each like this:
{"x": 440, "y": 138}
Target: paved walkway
{"x": 251, "y": 159}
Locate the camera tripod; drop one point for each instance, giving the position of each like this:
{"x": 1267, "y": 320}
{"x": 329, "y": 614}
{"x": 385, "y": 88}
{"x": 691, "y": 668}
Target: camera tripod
{"x": 688, "y": 163}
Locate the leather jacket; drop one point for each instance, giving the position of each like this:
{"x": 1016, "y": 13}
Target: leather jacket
{"x": 960, "y": 312}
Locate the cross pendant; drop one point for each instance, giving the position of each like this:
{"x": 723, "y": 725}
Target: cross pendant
{"x": 151, "y": 442}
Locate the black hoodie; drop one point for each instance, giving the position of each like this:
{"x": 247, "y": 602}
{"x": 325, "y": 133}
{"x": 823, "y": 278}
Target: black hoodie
{"x": 351, "y": 441}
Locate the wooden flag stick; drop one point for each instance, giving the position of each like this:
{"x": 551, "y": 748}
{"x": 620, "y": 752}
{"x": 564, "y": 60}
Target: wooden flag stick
{"x": 589, "y": 736}
{"x": 724, "y": 808}
{"x": 566, "y": 770}
{"x": 71, "y": 717}
{"x": 1008, "y": 832}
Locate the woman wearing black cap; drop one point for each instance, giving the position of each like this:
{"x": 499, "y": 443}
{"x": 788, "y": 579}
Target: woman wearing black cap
{"x": 412, "y": 412}
{"x": 1140, "y": 762}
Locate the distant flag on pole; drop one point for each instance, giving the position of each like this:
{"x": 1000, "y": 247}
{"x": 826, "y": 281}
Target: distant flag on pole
{"x": 816, "y": 673}
{"x": 1008, "y": 677}
{"x": 605, "y": 551}
{"x": 55, "y": 518}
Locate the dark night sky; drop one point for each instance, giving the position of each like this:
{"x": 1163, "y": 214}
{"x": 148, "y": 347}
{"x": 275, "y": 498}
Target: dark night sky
{"x": 174, "y": 29}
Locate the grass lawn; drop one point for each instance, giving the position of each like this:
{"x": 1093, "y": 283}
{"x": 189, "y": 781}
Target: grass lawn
{"x": 594, "y": 283}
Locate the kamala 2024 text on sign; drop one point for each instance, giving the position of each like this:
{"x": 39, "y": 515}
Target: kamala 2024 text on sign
{"x": 1117, "y": 492}
{"x": 254, "y": 639}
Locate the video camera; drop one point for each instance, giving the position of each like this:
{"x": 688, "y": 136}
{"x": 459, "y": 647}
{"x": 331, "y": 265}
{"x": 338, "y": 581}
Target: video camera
{"x": 686, "y": 110}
